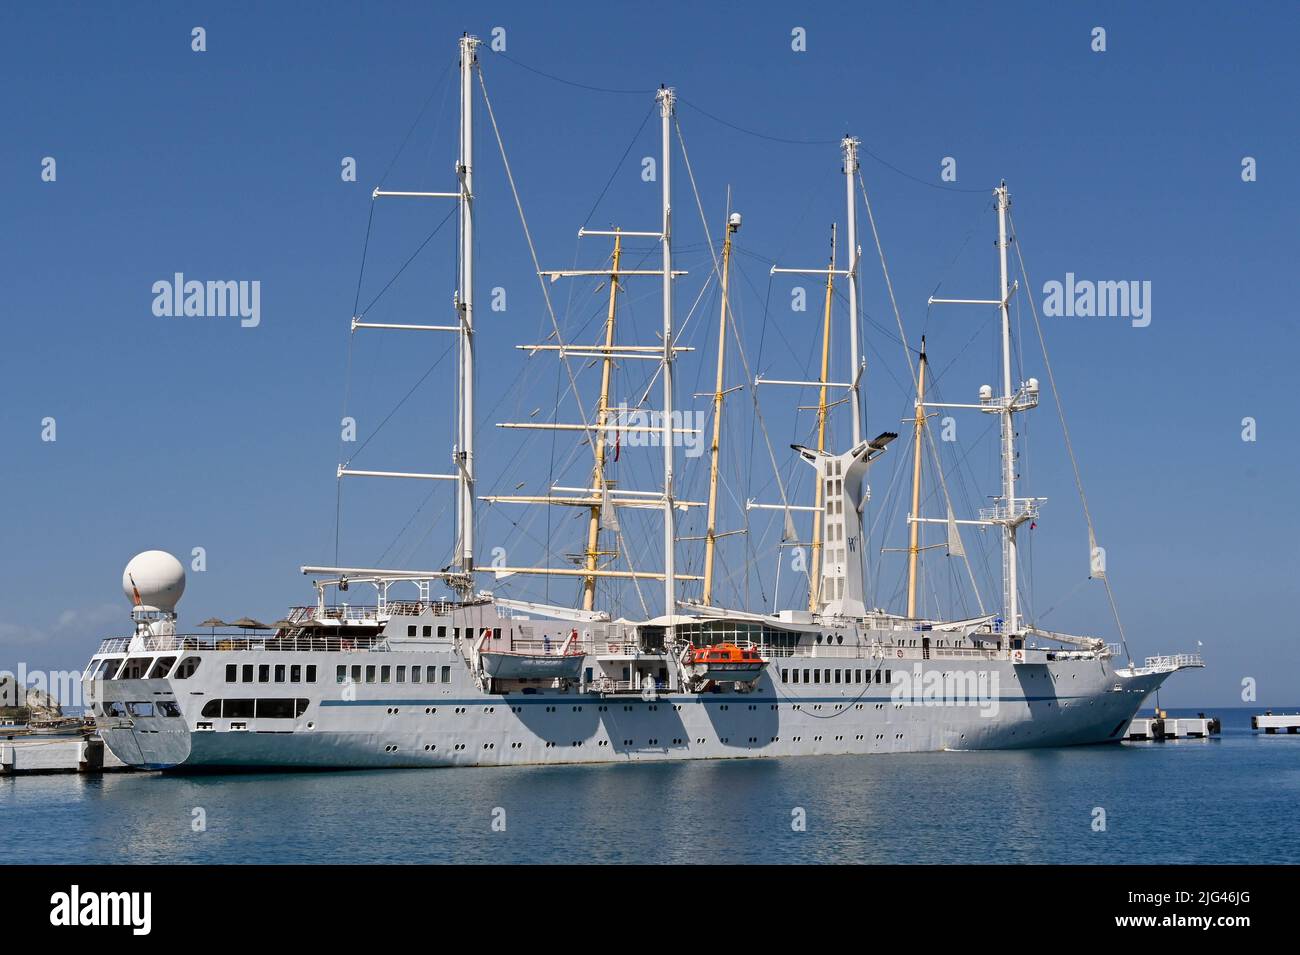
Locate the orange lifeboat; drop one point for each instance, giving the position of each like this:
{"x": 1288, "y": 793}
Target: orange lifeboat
{"x": 725, "y": 662}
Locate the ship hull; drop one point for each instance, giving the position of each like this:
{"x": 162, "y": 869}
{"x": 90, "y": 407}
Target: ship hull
{"x": 907, "y": 708}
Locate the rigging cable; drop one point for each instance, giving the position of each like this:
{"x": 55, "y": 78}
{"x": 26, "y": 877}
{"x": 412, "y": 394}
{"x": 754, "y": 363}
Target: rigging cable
{"x": 555, "y": 325}
{"x": 1069, "y": 446}
{"x": 911, "y": 369}
{"x": 717, "y": 271}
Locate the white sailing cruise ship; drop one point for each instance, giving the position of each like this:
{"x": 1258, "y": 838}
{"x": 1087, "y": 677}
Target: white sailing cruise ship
{"x": 435, "y": 672}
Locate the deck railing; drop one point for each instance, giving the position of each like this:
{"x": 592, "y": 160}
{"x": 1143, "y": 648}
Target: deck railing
{"x": 207, "y": 643}
{"x": 1174, "y": 661}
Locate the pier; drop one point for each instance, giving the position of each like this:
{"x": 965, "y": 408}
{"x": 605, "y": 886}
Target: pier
{"x": 1167, "y": 727}
{"x": 1273, "y": 722}
{"x": 29, "y": 755}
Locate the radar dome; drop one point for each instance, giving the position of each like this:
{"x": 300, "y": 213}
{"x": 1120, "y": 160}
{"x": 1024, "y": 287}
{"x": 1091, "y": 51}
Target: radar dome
{"x": 157, "y": 577}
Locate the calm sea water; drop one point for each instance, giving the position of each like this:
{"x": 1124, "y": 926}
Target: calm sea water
{"x": 1232, "y": 799}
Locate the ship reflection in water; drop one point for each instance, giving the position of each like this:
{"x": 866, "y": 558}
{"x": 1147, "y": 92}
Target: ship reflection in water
{"x": 921, "y": 808}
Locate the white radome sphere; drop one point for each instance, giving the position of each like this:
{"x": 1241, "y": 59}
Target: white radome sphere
{"x": 158, "y": 576}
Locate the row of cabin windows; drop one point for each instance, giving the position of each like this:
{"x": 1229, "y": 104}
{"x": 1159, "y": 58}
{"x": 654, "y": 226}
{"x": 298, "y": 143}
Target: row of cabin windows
{"x": 143, "y": 708}
{"x": 836, "y": 676}
{"x": 427, "y": 631}
{"x": 384, "y": 674}
{"x": 236, "y": 673}
{"x": 263, "y": 709}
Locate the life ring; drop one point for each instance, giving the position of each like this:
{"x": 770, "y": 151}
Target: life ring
{"x": 900, "y": 654}
{"x": 1019, "y": 656}
{"x": 613, "y": 648}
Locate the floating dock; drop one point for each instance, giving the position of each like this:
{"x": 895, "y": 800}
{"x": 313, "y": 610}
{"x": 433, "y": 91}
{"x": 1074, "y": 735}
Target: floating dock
{"x": 1168, "y": 727}
{"x": 24, "y": 755}
{"x": 1276, "y": 722}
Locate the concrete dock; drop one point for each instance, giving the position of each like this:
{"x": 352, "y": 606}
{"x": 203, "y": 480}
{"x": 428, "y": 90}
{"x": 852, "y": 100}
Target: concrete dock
{"x": 22, "y": 755}
{"x": 1168, "y": 727}
{"x": 1275, "y": 722}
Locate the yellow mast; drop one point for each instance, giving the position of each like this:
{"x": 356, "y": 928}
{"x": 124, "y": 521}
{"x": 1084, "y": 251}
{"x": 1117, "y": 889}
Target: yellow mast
{"x": 711, "y": 532}
{"x": 814, "y": 579}
{"x": 914, "y": 547}
{"x": 602, "y": 415}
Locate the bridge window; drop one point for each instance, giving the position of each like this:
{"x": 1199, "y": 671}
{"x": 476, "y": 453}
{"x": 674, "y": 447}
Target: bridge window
{"x": 135, "y": 668}
{"x": 385, "y": 674}
{"x": 341, "y": 674}
{"x": 356, "y": 674}
{"x": 295, "y": 673}
{"x": 426, "y": 631}
{"x": 370, "y": 674}
{"x": 140, "y": 709}
{"x": 185, "y": 669}
{"x": 264, "y": 673}
{"x": 161, "y": 668}
{"x": 446, "y": 674}
{"x": 106, "y": 669}
{"x": 311, "y": 673}
{"x": 168, "y": 708}
{"x": 246, "y": 673}
{"x": 410, "y": 631}
{"x": 401, "y": 674}
{"x": 442, "y": 633}
{"x": 279, "y": 673}
{"x": 232, "y": 673}
{"x": 415, "y": 674}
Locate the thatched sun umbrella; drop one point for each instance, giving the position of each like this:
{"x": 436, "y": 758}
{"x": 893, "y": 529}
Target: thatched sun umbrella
{"x": 213, "y": 623}
{"x": 248, "y": 623}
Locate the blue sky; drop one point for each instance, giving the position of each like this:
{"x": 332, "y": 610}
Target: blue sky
{"x": 225, "y": 165}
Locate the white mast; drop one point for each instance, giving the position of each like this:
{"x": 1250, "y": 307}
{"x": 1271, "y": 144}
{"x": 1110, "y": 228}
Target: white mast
{"x": 663, "y": 352}
{"x": 855, "y": 373}
{"x": 465, "y": 301}
{"x": 1008, "y": 512}
{"x": 666, "y": 99}
{"x": 457, "y": 575}
{"x": 1008, "y": 425}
